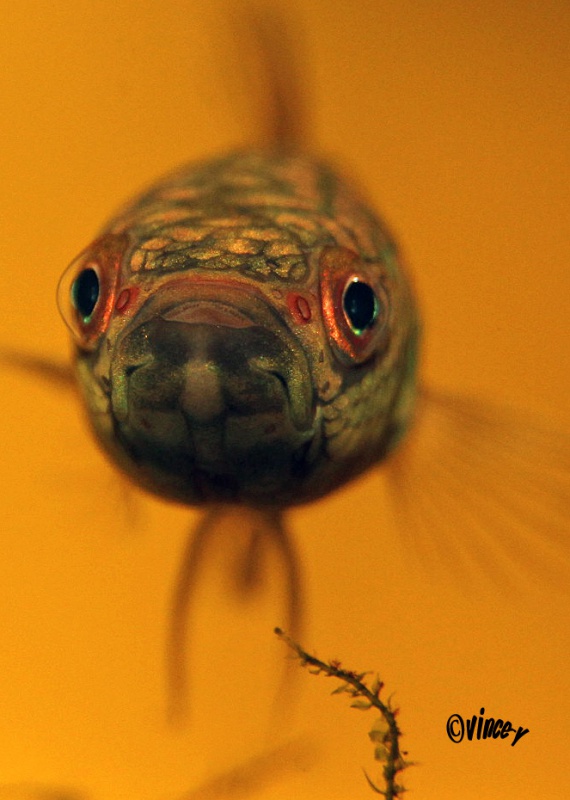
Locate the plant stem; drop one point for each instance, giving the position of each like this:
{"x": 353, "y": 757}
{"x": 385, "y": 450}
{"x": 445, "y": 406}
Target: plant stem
{"x": 354, "y": 684}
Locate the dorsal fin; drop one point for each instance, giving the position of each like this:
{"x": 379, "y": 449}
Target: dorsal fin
{"x": 269, "y": 59}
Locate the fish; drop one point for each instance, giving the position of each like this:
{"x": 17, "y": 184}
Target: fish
{"x": 244, "y": 330}
{"x": 244, "y": 333}
{"x": 246, "y": 338}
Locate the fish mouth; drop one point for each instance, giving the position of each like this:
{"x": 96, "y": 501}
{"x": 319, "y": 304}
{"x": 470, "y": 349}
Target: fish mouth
{"x": 211, "y": 393}
{"x": 196, "y": 312}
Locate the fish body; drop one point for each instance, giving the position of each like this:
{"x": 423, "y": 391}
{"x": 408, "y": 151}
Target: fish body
{"x": 244, "y": 332}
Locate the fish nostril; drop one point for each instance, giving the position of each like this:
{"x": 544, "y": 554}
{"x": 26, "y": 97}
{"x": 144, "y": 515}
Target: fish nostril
{"x": 268, "y": 368}
{"x": 294, "y": 389}
{"x": 130, "y": 369}
{"x": 281, "y": 380}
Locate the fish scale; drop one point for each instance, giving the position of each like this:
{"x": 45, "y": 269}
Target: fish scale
{"x": 288, "y": 204}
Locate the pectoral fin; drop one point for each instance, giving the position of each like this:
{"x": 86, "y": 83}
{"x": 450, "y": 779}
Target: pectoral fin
{"x": 57, "y": 373}
{"x": 482, "y": 490}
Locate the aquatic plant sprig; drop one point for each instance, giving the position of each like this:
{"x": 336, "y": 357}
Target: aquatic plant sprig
{"x": 385, "y": 733}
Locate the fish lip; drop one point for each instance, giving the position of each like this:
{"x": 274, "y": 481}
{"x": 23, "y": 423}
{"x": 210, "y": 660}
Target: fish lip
{"x": 208, "y": 313}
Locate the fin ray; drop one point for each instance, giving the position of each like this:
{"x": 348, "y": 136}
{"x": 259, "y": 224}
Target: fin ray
{"x": 486, "y": 484}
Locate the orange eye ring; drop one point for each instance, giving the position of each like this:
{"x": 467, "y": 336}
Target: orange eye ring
{"x": 87, "y": 289}
{"x": 355, "y": 304}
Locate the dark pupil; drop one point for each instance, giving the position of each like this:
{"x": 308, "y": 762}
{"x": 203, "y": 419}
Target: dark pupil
{"x": 85, "y": 292}
{"x": 360, "y": 305}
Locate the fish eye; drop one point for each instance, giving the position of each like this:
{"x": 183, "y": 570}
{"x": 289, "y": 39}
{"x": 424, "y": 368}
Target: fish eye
{"x": 360, "y": 306}
{"x": 85, "y": 292}
{"x": 355, "y": 300}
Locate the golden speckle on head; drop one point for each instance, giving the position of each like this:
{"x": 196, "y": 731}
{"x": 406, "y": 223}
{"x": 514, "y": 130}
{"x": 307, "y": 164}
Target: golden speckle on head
{"x": 282, "y": 248}
{"x": 204, "y": 253}
{"x": 184, "y": 234}
{"x": 228, "y": 261}
{"x": 166, "y": 216}
{"x": 259, "y": 266}
{"x": 228, "y": 222}
{"x": 157, "y": 243}
{"x": 245, "y": 246}
{"x": 264, "y": 234}
{"x": 137, "y": 260}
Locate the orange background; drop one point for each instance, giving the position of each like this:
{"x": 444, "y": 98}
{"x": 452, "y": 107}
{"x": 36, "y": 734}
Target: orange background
{"x": 455, "y": 118}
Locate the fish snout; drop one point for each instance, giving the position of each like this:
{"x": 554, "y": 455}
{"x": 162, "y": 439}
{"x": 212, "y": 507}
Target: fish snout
{"x": 213, "y": 400}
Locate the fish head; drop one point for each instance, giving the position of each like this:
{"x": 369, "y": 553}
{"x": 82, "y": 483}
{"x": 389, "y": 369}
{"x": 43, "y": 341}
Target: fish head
{"x": 225, "y": 356}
